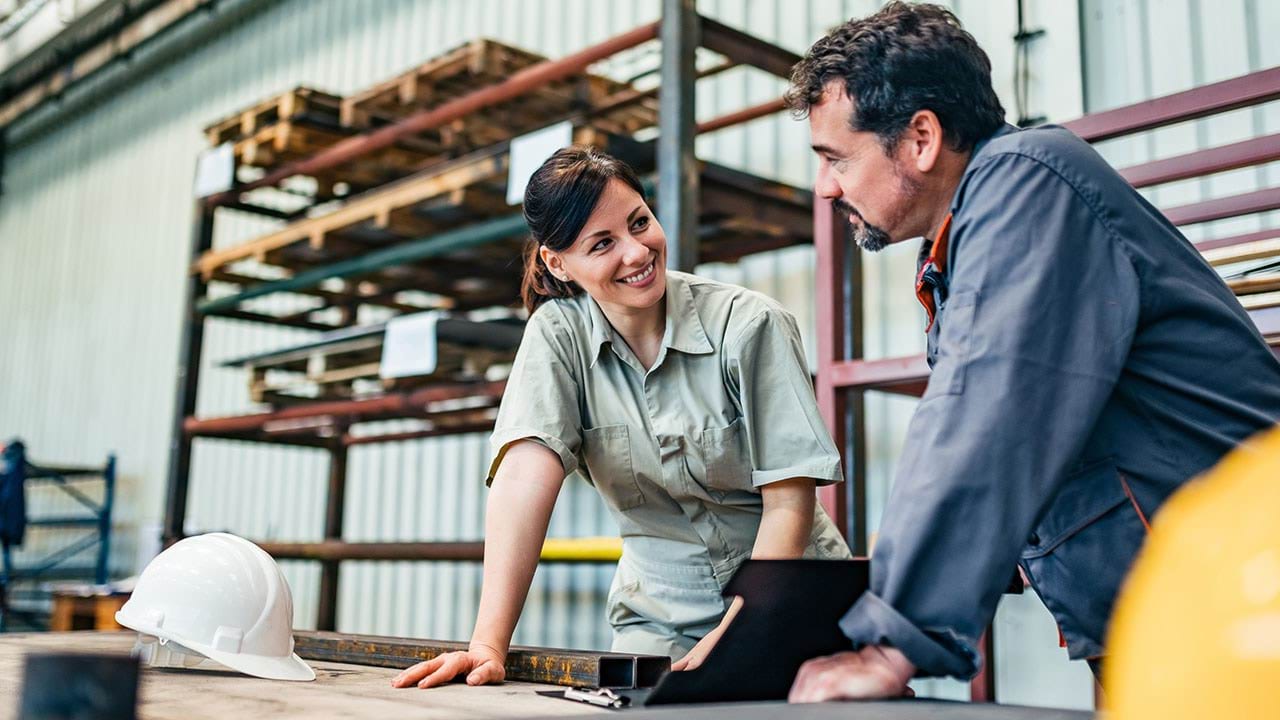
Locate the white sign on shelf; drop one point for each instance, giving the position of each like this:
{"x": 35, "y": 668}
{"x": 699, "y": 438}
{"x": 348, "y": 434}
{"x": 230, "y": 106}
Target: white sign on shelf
{"x": 409, "y": 346}
{"x": 215, "y": 170}
{"x": 528, "y": 152}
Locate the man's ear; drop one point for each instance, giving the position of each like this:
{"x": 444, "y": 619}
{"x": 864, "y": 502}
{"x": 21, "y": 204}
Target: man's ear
{"x": 922, "y": 141}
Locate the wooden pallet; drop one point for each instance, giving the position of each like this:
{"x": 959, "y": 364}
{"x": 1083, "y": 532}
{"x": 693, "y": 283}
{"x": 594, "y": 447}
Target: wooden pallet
{"x": 487, "y": 62}
{"x": 301, "y": 104}
{"x": 300, "y": 123}
{"x": 344, "y": 364}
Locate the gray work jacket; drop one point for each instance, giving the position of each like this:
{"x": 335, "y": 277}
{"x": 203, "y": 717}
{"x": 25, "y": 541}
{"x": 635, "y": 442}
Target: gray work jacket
{"x": 1082, "y": 344}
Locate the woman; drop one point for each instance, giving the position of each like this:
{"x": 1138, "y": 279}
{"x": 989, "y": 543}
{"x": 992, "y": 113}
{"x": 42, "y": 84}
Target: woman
{"x": 688, "y": 402}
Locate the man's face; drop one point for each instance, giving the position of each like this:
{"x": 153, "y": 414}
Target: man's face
{"x": 876, "y": 191}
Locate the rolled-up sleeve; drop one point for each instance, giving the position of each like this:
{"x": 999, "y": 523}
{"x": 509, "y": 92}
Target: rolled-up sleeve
{"x": 785, "y": 435}
{"x": 1041, "y": 314}
{"x": 541, "y": 402}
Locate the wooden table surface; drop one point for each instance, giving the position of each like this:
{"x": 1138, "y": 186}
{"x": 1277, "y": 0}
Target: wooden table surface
{"x": 357, "y": 691}
{"x": 339, "y": 691}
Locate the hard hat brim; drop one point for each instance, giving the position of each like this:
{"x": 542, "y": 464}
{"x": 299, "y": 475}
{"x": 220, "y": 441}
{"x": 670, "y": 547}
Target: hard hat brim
{"x": 290, "y": 668}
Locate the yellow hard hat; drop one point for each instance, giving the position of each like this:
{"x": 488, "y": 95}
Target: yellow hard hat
{"x": 1196, "y": 629}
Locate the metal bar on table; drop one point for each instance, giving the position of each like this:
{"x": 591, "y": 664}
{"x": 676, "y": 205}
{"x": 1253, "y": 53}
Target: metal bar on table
{"x": 553, "y": 666}
{"x": 677, "y": 166}
{"x": 1252, "y": 89}
{"x": 521, "y": 82}
{"x": 1255, "y": 151}
{"x": 747, "y": 49}
{"x": 188, "y": 381}
{"x": 425, "y": 247}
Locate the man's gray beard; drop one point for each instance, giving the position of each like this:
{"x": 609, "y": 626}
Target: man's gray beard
{"x": 870, "y": 237}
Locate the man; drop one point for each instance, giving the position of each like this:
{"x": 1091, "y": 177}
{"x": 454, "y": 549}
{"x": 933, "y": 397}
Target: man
{"x": 1086, "y": 360}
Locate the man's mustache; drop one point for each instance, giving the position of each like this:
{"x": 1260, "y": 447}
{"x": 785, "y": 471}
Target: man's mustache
{"x": 846, "y": 208}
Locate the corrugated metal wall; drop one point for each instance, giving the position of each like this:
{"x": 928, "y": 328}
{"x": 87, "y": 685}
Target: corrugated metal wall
{"x": 94, "y": 235}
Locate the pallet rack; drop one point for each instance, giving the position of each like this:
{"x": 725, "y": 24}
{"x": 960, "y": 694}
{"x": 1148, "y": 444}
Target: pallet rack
{"x": 442, "y": 229}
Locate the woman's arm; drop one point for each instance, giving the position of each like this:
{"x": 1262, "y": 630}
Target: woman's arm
{"x": 784, "y": 531}
{"x": 787, "y": 520}
{"x": 517, "y": 513}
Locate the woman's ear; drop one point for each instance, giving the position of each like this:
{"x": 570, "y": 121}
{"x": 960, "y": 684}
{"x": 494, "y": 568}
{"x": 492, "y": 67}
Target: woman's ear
{"x": 554, "y": 263}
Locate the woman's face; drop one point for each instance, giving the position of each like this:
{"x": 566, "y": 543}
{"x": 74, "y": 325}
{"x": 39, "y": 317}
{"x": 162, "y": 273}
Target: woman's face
{"x": 619, "y": 258}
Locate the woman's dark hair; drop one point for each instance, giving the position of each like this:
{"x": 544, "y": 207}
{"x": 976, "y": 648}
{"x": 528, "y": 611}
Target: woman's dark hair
{"x": 557, "y": 203}
{"x": 905, "y": 58}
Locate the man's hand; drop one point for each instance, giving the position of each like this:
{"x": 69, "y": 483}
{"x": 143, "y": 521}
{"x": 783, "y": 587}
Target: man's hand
{"x": 871, "y": 673}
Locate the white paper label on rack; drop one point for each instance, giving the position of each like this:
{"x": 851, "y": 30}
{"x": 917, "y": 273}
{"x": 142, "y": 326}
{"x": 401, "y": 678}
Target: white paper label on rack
{"x": 409, "y": 346}
{"x": 528, "y": 152}
{"x": 215, "y": 170}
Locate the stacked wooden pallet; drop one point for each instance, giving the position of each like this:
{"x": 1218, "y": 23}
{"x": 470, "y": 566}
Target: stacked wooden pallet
{"x": 484, "y": 62}
{"x": 304, "y": 121}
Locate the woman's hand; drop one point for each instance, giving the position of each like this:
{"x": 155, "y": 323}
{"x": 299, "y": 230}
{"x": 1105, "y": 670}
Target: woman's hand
{"x": 703, "y": 648}
{"x": 481, "y": 666}
{"x": 700, "y": 651}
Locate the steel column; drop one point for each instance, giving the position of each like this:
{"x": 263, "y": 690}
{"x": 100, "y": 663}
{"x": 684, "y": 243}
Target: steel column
{"x": 188, "y": 380}
{"x": 677, "y": 165}
{"x": 335, "y": 504}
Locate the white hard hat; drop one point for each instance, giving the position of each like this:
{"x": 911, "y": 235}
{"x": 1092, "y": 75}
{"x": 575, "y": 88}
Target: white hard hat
{"x": 222, "y": 597}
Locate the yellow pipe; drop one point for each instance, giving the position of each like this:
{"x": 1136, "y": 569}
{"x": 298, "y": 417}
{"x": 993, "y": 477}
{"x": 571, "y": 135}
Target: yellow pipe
{"x": 586, "y": 549}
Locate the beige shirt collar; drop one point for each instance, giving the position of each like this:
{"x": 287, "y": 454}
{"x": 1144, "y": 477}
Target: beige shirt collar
{"x": 684, "y": 326}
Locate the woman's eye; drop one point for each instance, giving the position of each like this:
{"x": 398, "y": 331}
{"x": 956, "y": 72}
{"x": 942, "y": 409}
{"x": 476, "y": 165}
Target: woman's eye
{"x": 601, "y": 245}
{"x": 640, "y": 223}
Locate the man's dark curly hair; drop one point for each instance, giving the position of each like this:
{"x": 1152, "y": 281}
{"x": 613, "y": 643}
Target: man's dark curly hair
{"x": 903, "y": 59}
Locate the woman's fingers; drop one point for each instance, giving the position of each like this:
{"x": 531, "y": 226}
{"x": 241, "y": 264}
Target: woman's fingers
{"x": 680, "y": 664}
{"x": 454, "y": 665}
{"x": 490, "y": 672}
{"x": 411, "y": 675}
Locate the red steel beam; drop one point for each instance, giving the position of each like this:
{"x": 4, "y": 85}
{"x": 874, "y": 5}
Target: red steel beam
{"x": 1227, "y": 207}
{"x": 1251, "y": 89}
{"x": 904, "y": 375}
{"x": 1216, "y": 243}
{"x": 398, "y": 403}
{"x": 1205, "y": 162}
{"x": 830, "y": 248}
{"x": 543, "y": 73}
{"x": 741, "y": 116}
